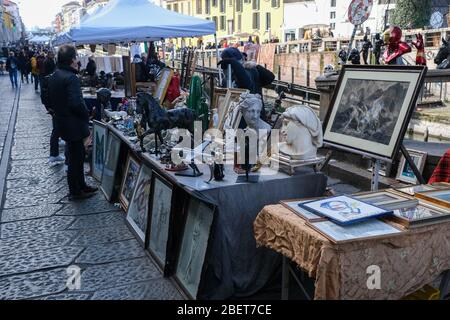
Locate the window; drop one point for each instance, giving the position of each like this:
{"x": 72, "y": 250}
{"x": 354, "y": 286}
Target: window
{"x": 333, "y": 3}
{"x": 207, "y": 6}
{"x": 332, "y": 26}
{"x": 332, "y": 15}
{"x": 275, "y": 3}
{"x": 230, "y": 3}
{"x": 255, "y": 20}
{"x": 215, "y": 22}
{"x": 169, "y": 7}
{"x": 222, "y": 6}
{"x": 222, "y": 22}
{"x": 255, "y": 5}
{"x": 175, "y": 7}
{"x": 189, "y": 8}
{"x": 182, "y": 7}
{"x": 246, "y": 1}
{"x": 239, "y": 22}
{"x": 239, "y": 5}
{"x": 214, "y": 3}
{"x": 199, "y": 7}
{"x": 230, "y": 26}
{"x": 267, "y": 21}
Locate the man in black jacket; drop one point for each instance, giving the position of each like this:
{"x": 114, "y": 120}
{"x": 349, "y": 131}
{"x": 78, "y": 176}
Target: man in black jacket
{"x": 71, "y": 119}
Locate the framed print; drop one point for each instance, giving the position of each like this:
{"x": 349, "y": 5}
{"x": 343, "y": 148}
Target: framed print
{"x": 414, "y": 189}
{"x": 439, "y": 197}
{"x": 194, "y": 244}
{"x": 223, "y": 99}
{"x": 361, "y": 231}
{"x": 110, "y": 167}
{"x": 420, "y": 215}
{"x": 138, "y": 210}
{"x": 163, "y": 84}
{"x": 387, "y": 200}
{"x": 129, "y": 181}
{"x": 344, "y": 209}
{"x": 371, "y": 108}
{"x": 161, "y": 208}
{"x": 405, "y": 172}
{"x": 294, "y": 206}
{"x": 233, "y": 117}
{"x": 99, "y": 140}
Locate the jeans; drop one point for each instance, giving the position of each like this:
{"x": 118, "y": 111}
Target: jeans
{"x": 36, "y": 81}
{"x": 13, "y": 77}
{"x": 54, "y": 141}
{"x": 75, "y": 172}
{"x": 24, "y": 75}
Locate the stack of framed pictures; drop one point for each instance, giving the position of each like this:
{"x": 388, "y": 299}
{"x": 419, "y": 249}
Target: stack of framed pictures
{"x": 99, "y": 140}
{"x": 388, "y": 199}
{"x": 294, "y": 206}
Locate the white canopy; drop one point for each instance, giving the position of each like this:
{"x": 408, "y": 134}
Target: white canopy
{"x": 40, "y": 39}
{"x": 137, "y": 20}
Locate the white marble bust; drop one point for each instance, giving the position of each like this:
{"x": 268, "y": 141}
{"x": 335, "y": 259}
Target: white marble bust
{"x": 251, "y": 105}
{"x": 302, "y": 131}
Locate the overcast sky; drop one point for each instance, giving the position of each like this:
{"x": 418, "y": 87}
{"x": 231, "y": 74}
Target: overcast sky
{"x": 39, "y": 13}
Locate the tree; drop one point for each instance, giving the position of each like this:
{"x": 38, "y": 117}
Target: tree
{"x": 411, "y": 13}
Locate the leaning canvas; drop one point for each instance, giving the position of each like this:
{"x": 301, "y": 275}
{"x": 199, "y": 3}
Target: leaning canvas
{"x": 99, "y": 139}
{"x": 371, "y": 109}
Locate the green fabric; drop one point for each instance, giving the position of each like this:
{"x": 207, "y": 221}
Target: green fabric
{"x": 197, "y": 102}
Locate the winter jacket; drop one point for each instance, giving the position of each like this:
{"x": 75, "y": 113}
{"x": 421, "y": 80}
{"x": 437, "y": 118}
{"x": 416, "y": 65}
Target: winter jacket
{"x": 34, "y": 67}
{"x": 11, "y": 64}
{"x": 66, "y": 100}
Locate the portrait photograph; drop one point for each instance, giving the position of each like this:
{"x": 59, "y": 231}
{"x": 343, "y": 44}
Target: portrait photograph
{"x": 100, "y": 136}
{"x": 194, "y": 245}
{"x": 137, "y": 215}
{"x": 405, "y": 172}
{"x": 129, "y": 181}
{"x": 371, "y": 109}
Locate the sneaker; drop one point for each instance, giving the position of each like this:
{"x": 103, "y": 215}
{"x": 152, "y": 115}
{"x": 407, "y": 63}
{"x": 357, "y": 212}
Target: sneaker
{"x": 80, "y": 196}
{"x": 56, "y": 159}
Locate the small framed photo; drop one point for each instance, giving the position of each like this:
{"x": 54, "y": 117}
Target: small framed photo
{"x": 138, "y": 210}
{"x": 344, "y": 209}
{"x": 387, "y": 199}
{"x": 110, "y": 167}
{"x": 160, "y": 216}
{"x": 414, "y": 189}
{"x": 294, "y": 206}
{"x": 439, "y": 197}
{"x": 129, "y": 181}
{"x": 405, "y": 172}
{"x": 99, "y": 140}
{"x": 370, "y": 229}
{"x": 194, "y": 245}
{"x": 420, "y": 215}
{"x": 163, "y": 84}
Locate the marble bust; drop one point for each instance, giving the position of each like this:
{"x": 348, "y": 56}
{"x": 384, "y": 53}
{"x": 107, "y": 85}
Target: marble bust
{"x": 302, "y": 131}
{"x": 250, "y": 106}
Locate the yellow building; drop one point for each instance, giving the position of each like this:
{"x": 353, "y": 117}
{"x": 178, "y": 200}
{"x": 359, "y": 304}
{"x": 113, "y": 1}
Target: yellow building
{"x": 235, "y": 18}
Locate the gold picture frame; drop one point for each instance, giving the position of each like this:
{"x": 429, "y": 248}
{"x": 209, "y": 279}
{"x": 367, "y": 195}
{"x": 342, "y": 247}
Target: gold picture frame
{"x": 440, "y": 197}
{"x": 129, "y": 181}
{"x": 163, "y": 84}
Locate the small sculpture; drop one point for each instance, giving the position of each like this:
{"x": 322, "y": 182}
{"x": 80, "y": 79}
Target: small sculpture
{"x": 443, "y": 56}
{"x": 251, "y": 105}
{"x": 420, "y": 46}
{"x": 354, "y": 56}
{"x": 379, "y": 43}
{"x": 367, "y": 45}
{"x": 342, "y": 57}
{"x": 396, "y": 48}
{"x": 303, "y": 133}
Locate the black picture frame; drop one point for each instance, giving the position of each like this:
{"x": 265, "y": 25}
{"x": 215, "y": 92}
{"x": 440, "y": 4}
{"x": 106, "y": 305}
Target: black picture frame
{"x": 372, "y": 72}
{"x": 111, "y": 163}
{"x": 96, "y": 164}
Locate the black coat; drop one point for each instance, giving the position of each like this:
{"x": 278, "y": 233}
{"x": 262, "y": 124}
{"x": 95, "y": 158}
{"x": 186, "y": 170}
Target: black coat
{"x": 91, "y": 68}
{"x": 66, "y": 99}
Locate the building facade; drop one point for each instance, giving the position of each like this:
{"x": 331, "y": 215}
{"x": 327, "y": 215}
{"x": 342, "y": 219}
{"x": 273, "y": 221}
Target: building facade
{"x": 71, "y": 15}
{"x": 12, "y": 28}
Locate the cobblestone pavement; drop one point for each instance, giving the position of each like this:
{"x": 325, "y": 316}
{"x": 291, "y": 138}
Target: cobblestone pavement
{"x": 42, "y": 234}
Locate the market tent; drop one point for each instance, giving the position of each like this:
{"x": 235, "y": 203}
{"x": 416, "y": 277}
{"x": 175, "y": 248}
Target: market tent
{"x": 40, "y": 39}
{"x": 138, "y": 20}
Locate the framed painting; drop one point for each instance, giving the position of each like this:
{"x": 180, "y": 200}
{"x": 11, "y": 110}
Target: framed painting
{"x": 420, "y": 215}
{"x": 99, "y": 137}
{"x": 405, "y": 173}
{"x": 138, "y": 210}
{"x": 413, "y": 189}
{"x": 129, "y": 181}
{"x": 439, "y": 197}
{"x": 161, "y": 209}
{"x": 163, "y": 84}
{"x": 371, "y": 108}
{"x": 110, "y": 167}
{"x": 294, "y": 206}
{"x": 388, "y": 199}
{"x": 194, "y": 245}
{"x": 226, "y": 102}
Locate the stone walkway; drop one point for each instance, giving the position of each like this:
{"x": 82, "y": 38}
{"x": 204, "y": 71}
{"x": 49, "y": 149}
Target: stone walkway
{"x": 42, "y": 234}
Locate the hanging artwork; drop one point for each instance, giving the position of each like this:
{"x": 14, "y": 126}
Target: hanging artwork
{"x": 99, "y": 137}
{"x": 138, "y": 211}
{"x": 129, "y": 181}
{"x": 194, "y": 245}
{"x": 163, "y": 84}
{"x": 110, "y": 167}
{"x": 405, "y": 172}
{"x": 161, "y": 205}
{"x": 371, "y": 109}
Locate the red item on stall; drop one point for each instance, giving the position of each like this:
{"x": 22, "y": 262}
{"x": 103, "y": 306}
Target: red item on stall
{"x": 442, "y": 172}
{"x": 173, "y": 91}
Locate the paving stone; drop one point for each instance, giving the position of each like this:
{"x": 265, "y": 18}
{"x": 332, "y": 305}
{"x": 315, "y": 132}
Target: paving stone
{"x": 26, "y": 261}
{"x": 111, "y": 252}
{"x": 29, "y": 154}
{"x": 34, "y": 284}
{"x": 159, "y": 289}
{"x": 118, "y": 274}
{"x": 102, "y": 235}
{"x": 29, "y": 212}
{"x": 18, "y": 172}
{"x": 99, "y": 220}
{"x": 27, "y": 227}
{"x": 34, "y": 242}
{"x": 97, "y": 203}
{"x": 30, "y": 162}
{"x": 37, "y": 189}
{"x": 34, "y": 181}
{"x": 67, "y": 296}
{"x": 15, "y": 201}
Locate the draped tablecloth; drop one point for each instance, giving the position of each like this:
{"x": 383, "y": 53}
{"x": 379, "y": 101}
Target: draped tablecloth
{"x": 407, "y": 262}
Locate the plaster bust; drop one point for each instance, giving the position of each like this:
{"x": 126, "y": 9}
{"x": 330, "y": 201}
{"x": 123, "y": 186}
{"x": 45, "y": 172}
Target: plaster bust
{"x": 302, "y": 131}
{"x": 251, "y": 105}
